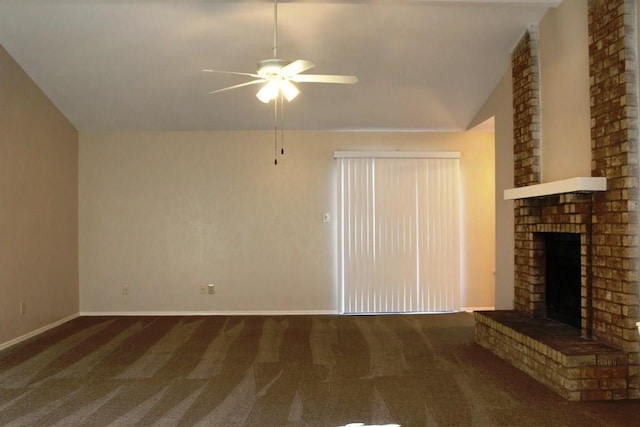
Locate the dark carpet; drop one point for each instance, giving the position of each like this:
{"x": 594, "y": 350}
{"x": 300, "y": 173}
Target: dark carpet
{"x": 411, "y": 370}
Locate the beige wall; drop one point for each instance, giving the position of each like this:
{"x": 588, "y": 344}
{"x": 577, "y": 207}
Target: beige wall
{"x": 564, "y": 85}
{"x": 38, "y": 207}
{"x": 163, "y": 213}
{"x": 499, "y": 106}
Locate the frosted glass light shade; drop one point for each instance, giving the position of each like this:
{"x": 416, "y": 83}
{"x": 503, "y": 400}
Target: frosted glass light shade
{"x": 268, "y": 92}
{"x": 273, "y": 88}
{"x": 288, "y": 90}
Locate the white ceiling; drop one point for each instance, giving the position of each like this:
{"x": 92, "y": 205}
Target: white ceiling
{"x": 135, "y": 65}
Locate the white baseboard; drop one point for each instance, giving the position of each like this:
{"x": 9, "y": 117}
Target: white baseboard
{"x": 210, "y": 313}
{"x": 37, "y": 331}
{"x": 470, "y": 309}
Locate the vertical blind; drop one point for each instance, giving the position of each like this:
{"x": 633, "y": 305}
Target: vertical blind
{"x": 399, "y": 242}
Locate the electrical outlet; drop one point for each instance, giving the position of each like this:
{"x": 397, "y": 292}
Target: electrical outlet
{"x": 203, "y": 289}
{"x": 23, "y": 308}
{"x": 211, "y": 289}
{"x": 125, "y": 290}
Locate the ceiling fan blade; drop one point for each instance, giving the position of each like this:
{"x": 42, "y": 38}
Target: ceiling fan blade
{"x": 324, "y": 78}
{"x": 296, "y": 67}
{"x": 231, "y": 72}
{"x": 252, "y": 82}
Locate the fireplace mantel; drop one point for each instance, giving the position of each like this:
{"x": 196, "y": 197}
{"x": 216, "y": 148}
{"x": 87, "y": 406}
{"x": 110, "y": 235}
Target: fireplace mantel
{"x": 585, "y": 184}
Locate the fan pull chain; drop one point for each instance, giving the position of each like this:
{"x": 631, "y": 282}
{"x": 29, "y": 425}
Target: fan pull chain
{"x": 278, "y": 120}
{"x": 281, "y": 124}
{"x": 275, "y": 131}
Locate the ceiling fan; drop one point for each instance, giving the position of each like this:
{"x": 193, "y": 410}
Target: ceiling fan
{"x": 279, "y": 75}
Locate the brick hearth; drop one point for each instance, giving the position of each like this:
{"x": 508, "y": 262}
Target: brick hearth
{"x": 556, "y": 355}
{"x": 601, "y": 360}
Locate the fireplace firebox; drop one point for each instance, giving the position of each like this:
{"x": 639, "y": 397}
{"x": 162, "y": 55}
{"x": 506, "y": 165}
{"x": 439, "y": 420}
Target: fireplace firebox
{"x": 563, "y": 279}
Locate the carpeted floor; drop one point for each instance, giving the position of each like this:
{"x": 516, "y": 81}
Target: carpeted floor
{"x": 412, "y": 370}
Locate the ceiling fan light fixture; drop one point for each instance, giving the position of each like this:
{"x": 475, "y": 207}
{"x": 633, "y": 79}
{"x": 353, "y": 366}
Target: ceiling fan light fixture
{"x": 273, "y": 88}
{"x": 289, "y": 90}
{"x": 268, "y": 92}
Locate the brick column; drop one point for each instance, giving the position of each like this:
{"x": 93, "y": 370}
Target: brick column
{"x": 614, "y": 144}
{"x": 526, "y": 136}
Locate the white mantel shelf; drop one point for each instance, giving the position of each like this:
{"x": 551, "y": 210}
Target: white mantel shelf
{"x": 585, "y": 184}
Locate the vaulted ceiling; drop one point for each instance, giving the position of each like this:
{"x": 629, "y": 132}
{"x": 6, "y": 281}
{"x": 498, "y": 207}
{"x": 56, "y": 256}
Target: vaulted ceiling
{"x": 136, "y": 64}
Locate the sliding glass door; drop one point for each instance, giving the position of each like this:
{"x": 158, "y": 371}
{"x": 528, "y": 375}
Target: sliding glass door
{"x": 399, "y": 242}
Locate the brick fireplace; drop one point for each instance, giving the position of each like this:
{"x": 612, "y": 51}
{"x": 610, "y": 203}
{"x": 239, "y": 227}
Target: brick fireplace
{"x": 597, "y": 357}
